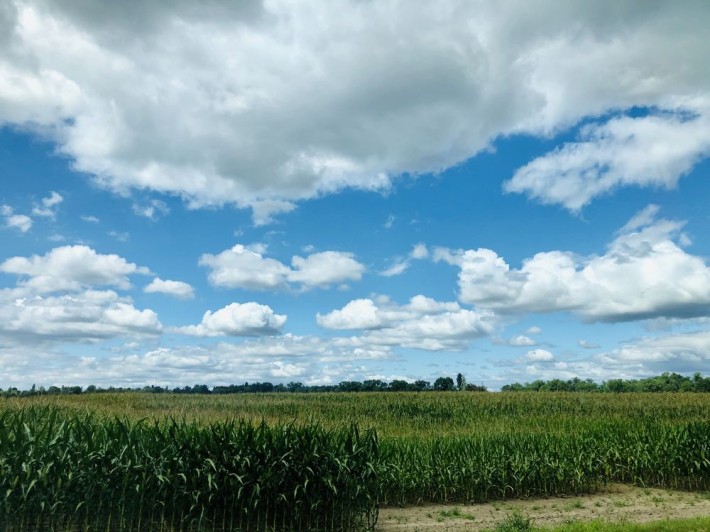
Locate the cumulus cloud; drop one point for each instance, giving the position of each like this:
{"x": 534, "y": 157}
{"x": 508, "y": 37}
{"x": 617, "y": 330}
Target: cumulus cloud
{"x": 237, "y": 319}
{"x": 72, "y": 268}
{"x": 683, "y": 353}
{"x": 521, "y": 340}
{"x": 325, "y": 269}
{"x": 87, "y": 316}
{"x": 16, "y": 221}
{"x": 246, "y": 267}
{"x": 423, "y": 323}
{"x": 644, "y": 273}
{"x": 651, "y": 151}
{"x": 269, "y": 103}
{"x": 539, "y": 355}
{"x": 47, "y": 208}
{"x": 265, "y": 358}
{"x": 178, "y": 289}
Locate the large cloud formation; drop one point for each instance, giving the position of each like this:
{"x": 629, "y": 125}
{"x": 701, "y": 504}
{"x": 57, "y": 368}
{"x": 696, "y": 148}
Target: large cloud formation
{"x": 423, "y": 323}
{"x": 260, "y": 104}
{"x": 645, "y": 273}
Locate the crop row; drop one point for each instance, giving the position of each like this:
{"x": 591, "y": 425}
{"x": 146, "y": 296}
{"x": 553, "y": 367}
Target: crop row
{"x": 84, "y": 464}
{"x": 71, "y": 472}
{"x": 482, "y": 468}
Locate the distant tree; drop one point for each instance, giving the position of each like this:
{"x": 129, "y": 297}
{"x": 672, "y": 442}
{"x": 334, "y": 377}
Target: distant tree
{"x": 374, "y": 385}
{"x": 399, "y": 386}
{"x": 460, "y": 382}
{"x": 294, "y": 386}
{"x": 444, "y": 384}
{"x": 350, "y": 386}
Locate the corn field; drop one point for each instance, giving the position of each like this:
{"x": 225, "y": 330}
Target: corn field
{"x": 61, "y": 472}
{"x": 327, "y": 461}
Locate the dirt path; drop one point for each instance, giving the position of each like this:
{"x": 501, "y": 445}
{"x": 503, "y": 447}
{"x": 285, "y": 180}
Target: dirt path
{"x": 617, "y": 504}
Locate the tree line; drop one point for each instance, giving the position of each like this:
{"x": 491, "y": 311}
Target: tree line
{"x": 667, "y": 382}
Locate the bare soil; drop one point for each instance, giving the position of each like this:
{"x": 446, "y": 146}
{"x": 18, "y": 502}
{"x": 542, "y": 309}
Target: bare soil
{"x": 618, "y": 503}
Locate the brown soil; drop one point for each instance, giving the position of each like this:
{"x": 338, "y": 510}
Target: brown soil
{"x": 618, "y": 503}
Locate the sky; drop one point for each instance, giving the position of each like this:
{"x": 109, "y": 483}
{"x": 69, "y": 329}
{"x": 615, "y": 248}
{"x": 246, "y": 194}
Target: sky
{"x": 226, "y": 192}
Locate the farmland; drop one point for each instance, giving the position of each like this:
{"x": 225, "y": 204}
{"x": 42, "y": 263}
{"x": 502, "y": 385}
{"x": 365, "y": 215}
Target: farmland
{"x": 173, "y": 455}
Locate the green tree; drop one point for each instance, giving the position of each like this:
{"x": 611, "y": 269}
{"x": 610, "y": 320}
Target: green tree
{"x": 460, "y": 382}
{"x": 444, "y": 384}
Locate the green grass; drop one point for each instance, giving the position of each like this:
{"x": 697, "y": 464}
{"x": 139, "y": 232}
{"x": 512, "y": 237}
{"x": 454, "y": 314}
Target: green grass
{"x": 697, "y": 524}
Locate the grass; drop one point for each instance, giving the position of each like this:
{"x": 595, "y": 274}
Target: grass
{"x": 697, "y": 524}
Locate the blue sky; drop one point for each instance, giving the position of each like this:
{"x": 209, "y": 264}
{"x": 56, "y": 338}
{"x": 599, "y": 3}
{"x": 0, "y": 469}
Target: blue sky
{"x": 318, "y": 192}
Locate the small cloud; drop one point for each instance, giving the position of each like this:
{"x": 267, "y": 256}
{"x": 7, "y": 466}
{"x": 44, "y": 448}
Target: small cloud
{"x": 16, "y": 221}
{"x": 19, "y": 221}
{"x": 90, "y": 219}
{"x": 121, "y": 236}
{"x": 521, "y": 340}
{"x": 390, "y": 221}
{"x": 534, "y": 330}
{"x": 539, "y": 355}
{"x": 151, "y": 210}
{"x": 237, "y": 319}
{"x": 262, "y": 212}
{"x": 397, "y": 268}
{"x": 47, "y": 209}
{"x": 419, "y": 252}
{"x": 587, "y": 345}
{"x": 177, "y": 289}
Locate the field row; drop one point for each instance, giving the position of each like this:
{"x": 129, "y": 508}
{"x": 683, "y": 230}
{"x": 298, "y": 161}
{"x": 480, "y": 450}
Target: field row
{"x": 301, "y": 462}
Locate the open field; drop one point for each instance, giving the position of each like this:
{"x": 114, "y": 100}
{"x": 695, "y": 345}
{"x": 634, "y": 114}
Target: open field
{"x": 452, "y": 448}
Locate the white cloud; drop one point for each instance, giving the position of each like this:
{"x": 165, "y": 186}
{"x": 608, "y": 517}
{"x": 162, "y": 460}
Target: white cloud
{"x": 652, "y": 151}
{"x": 151, "y": 210}
{"x": 686, "y": 352}
{"x": 585, "y": 344}
{"x": 422, "y": 324}
{"x": 72, "y": 268}
{"x": 539, "y": 355}
{"x": 16, "y": 221}
{"x": 178, "y": 289}
{"x": 534, "y": 330}
{"x": 47, "y": 208}
{"x": 90, "y": 219}
{"x": 246, "y": 267}
{"x": 357, "y": 314}
{"x": 390, "y": 221}
{"x": 86, "y": 316}
{"x": 643, "y": 274}
{"x": 683, "y": 353}
{"x": 398, "y": 268}
{"x": 263, "y": 211}
{"x": 325, "y": 269}
{"x": 237, "y": 319}
{"x": 265, "y": 358}
{"x": 420, "y": 252}
{"x": 401, "y": 265}
{"x": 277, "y": 101}
{"x": 19, "y": 221}
{"x": 521, "y": 340}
